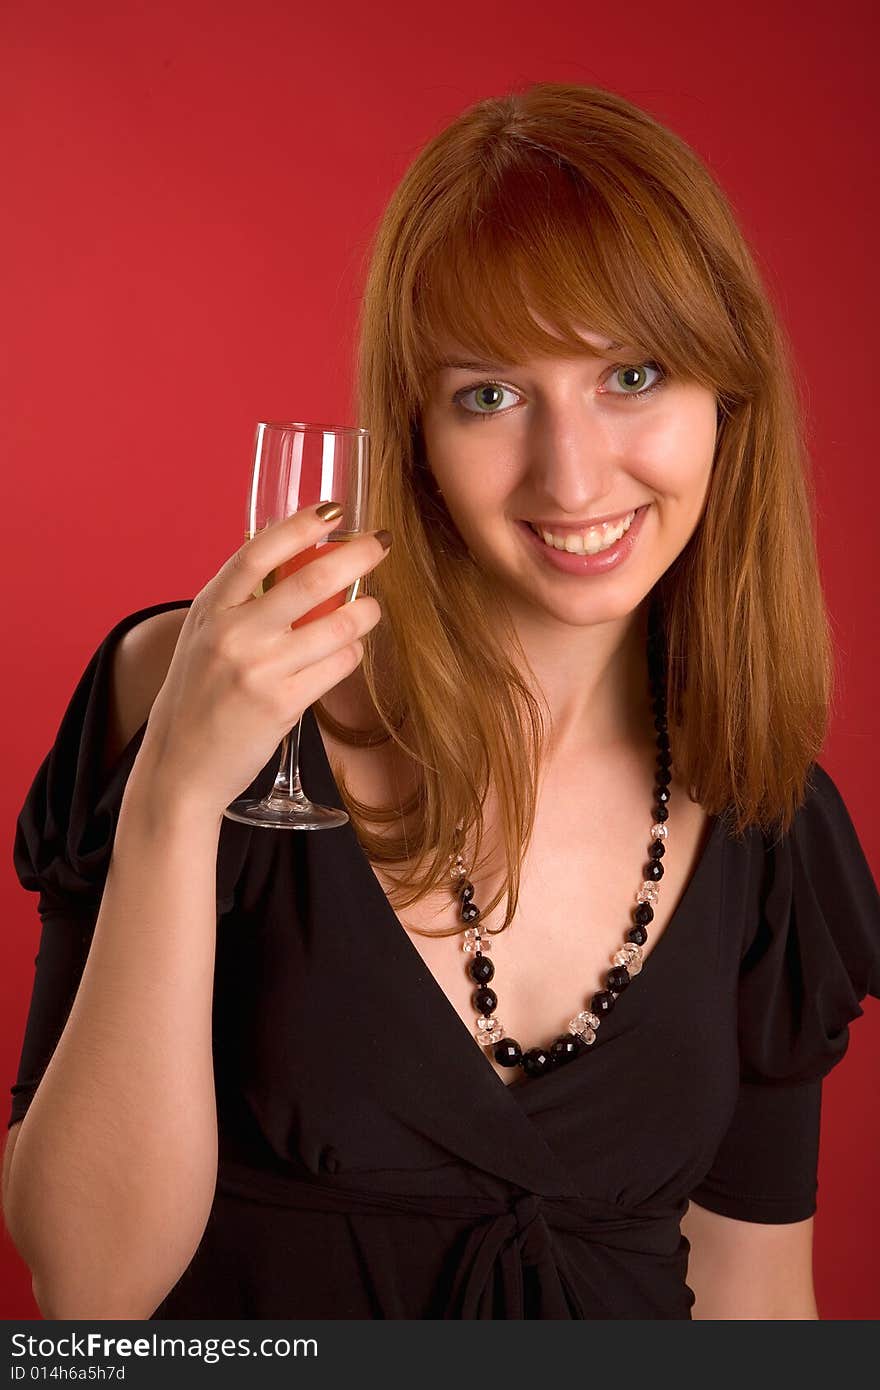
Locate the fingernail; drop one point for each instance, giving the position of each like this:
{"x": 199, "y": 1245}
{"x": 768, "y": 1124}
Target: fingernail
{"x": 384, "y": 539}
{"x": 329, "y": 511}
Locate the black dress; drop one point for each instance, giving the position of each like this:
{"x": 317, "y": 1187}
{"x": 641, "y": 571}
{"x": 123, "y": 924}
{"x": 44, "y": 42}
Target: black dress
{"x": 372, "y": 1163}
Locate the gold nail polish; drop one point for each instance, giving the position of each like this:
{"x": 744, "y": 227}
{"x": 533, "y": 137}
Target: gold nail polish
{"x": 329, "y": 511}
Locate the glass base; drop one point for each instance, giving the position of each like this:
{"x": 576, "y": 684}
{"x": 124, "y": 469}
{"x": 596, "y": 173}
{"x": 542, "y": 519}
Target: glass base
{"x": 286, "y": 813}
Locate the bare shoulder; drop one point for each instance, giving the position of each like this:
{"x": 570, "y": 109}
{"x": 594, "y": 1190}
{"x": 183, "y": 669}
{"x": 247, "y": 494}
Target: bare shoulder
{"x": 140, "y": 664}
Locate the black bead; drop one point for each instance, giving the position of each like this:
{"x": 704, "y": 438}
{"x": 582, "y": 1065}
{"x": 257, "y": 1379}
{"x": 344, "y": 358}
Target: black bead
{"x": 660, "y": 723}
{"x": 486, "y": 1000}
{"x": 536, "y": 1061}
{"x": 643, "y": 914}
{"x": 618, "y": 978}
{"x": 565, "y": 1048}
{"x": 481, "y": 969}
{"x": 602, "y": 1003}
{"x": 638, "y": 935}
{"x": 655, "y": 871}
{"x": 469, "y": 912}
{"x": 663, "y": 741}
{"x": 466, "y": 893}
{"x": 661, "y": 813}
{"x": 657, "y": 850}
{"x": 662, "y": 792}
{"x": 508, "y": 1053}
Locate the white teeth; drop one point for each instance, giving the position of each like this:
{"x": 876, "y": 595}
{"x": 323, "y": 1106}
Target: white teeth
{"x": 589, "y": 542}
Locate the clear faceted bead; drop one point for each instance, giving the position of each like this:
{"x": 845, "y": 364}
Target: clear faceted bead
{"x": 659, "y": 831}
{"x": 648, "y": 893}
{"x": 584, "y": 1023}
{"x": 630, "y": 956}
{"x": 488, "y": 1031}
{"x": 474, "y": 941}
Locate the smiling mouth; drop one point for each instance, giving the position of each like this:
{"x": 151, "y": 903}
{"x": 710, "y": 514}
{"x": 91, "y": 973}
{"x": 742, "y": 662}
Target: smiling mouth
{"x": 592, "y": 540}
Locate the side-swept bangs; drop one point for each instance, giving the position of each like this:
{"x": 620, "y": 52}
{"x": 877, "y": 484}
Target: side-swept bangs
{"x": 531, "y": 238}
{"x": 531, "y": 219}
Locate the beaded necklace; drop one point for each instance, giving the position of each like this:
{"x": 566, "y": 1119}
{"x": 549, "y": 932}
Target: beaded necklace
{"x": 627, "y": 962}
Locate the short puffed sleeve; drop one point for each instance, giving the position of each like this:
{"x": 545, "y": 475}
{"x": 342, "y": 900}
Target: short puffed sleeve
{"x": 813, "y": 956}
{"x": 63, "y": 843}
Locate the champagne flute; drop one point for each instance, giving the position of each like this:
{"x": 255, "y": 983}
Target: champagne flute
{"x": 295, "y": 466}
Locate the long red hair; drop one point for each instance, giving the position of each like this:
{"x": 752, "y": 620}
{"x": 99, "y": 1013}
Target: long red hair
{"x": 570, "y": 203}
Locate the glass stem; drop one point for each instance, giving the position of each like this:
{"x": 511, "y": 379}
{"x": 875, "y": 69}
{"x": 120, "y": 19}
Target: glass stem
{"x": 287, "y": 784}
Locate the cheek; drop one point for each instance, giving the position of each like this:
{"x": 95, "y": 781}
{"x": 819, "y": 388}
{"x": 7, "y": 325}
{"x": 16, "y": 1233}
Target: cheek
{"x": 471, "y": 478}
{"x": 675, "y": 455}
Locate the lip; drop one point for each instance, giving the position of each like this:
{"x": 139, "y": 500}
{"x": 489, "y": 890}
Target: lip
{"x": 588, "y": 564}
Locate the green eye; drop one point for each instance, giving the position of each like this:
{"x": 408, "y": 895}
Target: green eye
{"x": 636, "y": 375}
{"x": 488, "y": 397}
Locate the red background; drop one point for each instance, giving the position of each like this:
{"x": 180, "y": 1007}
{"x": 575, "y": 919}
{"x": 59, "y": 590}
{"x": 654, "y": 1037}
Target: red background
{"x": 188, "y": 190}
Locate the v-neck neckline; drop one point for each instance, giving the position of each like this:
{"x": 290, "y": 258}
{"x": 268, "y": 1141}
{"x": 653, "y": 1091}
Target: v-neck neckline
{"x": 456, "y": 1027}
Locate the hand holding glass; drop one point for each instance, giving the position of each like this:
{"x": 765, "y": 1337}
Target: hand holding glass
{"x": 297, "y": 466}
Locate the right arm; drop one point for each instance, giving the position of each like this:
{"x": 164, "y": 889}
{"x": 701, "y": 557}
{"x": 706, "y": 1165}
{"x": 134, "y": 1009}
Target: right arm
{"x": 111, "y": 1178}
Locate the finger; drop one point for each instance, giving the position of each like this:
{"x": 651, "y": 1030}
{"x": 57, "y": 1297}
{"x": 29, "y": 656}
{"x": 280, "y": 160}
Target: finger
{"x": 321, "y": 584}
{"x": 321, "y": 637}
{"x": 313, "y": 682}
{"x": 243, "y": 573}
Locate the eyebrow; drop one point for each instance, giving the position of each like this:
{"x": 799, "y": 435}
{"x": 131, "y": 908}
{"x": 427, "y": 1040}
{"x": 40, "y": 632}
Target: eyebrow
{"x": 468, "y": 366}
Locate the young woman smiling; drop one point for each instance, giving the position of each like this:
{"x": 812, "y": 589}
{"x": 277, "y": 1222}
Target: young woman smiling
{"x": 541, "y": 1032}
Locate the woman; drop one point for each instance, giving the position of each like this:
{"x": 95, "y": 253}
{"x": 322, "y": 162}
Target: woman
{"x": 607, "y": 1104}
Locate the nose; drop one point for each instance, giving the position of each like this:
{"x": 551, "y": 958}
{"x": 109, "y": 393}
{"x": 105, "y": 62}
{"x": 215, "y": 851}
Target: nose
{"x": 572, "y": 463}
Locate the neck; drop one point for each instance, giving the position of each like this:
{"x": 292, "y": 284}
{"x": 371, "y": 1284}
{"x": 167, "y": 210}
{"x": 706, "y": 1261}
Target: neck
{"x": 593, "y": 681}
